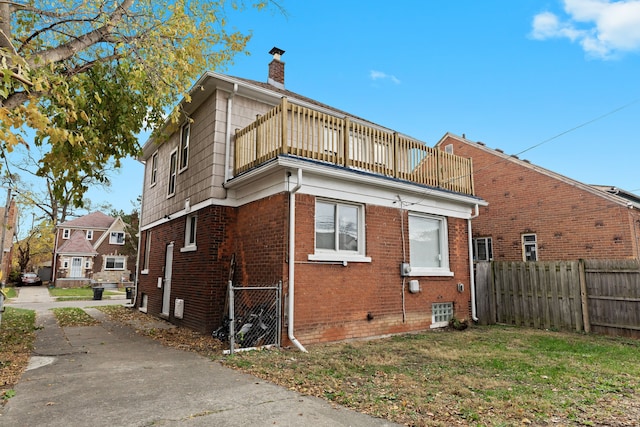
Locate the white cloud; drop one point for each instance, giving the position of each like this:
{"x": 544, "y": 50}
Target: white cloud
{"x": 379, "y": 75}
{"x": 604, "y": 28}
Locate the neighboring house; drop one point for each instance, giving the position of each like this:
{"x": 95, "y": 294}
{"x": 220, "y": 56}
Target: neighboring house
{"x": 9, "y": 221}
{"x": 535, "y": 214}
{"x": 299, "y": 192}
{"x": 89, "y": 249}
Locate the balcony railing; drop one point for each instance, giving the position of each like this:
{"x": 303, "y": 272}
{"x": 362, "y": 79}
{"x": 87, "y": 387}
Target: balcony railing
{"x": 300, "y": 131}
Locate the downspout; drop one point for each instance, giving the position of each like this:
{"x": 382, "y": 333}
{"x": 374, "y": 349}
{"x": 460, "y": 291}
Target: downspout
{"x": 292, "y": 259}
{"x": 472, "y": 281}
{"x": 227, "y": 141}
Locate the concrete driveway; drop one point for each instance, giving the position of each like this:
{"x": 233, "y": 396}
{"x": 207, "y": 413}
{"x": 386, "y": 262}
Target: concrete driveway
{"x": 107, "y": 375}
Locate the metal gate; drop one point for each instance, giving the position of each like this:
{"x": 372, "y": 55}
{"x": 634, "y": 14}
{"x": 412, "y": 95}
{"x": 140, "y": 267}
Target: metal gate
{"x": 255, "y": 314}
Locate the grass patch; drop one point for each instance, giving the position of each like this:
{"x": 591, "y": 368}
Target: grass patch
{"x": 10, "y": 292}
{"x": 487, "y": 376}
{"x": 72, "y": 294}
{"x": 70, "y": 316}
{"x": 17, "y": 334}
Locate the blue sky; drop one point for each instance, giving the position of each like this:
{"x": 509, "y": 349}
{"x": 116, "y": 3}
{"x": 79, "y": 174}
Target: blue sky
{"x": 512, "y": 74}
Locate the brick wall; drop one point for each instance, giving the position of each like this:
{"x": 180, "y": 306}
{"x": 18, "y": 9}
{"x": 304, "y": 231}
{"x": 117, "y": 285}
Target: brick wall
{"x": 570, "y": 222}
{"x": 199, "y": 277}
{"x": 332, "y": 302}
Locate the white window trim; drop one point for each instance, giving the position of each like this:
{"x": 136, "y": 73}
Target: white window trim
{"x": 525, "y": 244}
{"x": 66, "y": 233}
{"x": 124, "y": 263}
{"x": 154, "y": 169}
{"x": 111, "y": 239}
{"x": 89, "y": 234}
{"x": 87, "y": 264}
{"x": 445, "y": 270}
{"x": 173, "y": 174}
{"x": 183, "y": 159}
{"x": 147, "y": 252}
{"x": 338, "y": 255}
{"x": 190, "y": 246}
{"x": 65, "y": 263}
{"x": 476, "y": 240}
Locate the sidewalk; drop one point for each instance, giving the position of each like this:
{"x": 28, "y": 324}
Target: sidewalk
{"x": 107, "y": 375}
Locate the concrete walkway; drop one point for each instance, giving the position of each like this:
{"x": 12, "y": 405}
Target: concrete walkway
{"x": 107, "y": 375}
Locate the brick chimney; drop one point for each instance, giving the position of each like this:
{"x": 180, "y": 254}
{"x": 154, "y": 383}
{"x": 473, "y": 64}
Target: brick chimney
{"x": 276, "y": 69}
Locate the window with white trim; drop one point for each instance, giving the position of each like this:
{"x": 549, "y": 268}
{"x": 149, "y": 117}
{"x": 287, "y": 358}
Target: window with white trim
{"x": 87, "y": 263}
{"x": 184, "y": 146}
{"x": 441, "y": 313}
{"x": 482, "y": 249}
{"x": 89, "y": 234}
{"x": 66, "y": 233}
{"x": 147, "y": 251}
{"x": 190, "y": 231}
{"x": 529, "y": 247}
{"x": 428, "y": 245}
{"x": 154, "y": 168}
{"x": 173, "y": 171}
{"x": 65, "y": 263}
{"x": 116, "y": 238}
{"x": 339, "y": 232}
{"x": 114, "y": 263}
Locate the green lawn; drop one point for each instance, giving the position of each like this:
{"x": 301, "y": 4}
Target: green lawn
{"x": 66, "y": 294}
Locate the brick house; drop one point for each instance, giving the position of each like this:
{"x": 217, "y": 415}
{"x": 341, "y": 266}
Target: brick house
{"x": 535, "y": 214}
{"x": 90, "y": 249}
{"x": 299, "y": 192}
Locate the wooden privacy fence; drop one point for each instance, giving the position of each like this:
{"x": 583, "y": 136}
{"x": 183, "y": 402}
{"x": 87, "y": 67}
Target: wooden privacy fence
{"x": 587, "y": 295}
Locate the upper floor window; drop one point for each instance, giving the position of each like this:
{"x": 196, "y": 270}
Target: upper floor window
{"x": 66, "y": 233}
{"x": 89, "y": 234}
{"x": 339, "y": 232}
{"x": 154, "y": 168}
{"x": 114, "y": 263}
{"x": 116, "y": 238}
{"x": 482, "y": 249}
{"x": 184, "y": 146}
{"x": 173, "y": 169}
{"x": 428, "y": 245}
{"x": 529, "y": 247}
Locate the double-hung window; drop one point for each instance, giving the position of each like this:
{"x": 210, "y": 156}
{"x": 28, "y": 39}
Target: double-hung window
{"x": 428, "y": 245}
{"x": 184, "y": 146}
{"x": 89, "y": 234}
{"x": 482, "y": 249}
{"x": 116, "y": 238}
{"x": 173, "y": 170}
{"x": 114, "y": 263}
{"x": 66, "y": 233}
{"x": 154, "y": 168}
{"x": 529, "y": 247}
{"x": 339, "y": 232}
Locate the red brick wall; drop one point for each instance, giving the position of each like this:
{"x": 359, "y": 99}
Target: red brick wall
{"x": 332, "y": 301}
{"x": 199, "y": 277}
{"x": 570, "y": 223}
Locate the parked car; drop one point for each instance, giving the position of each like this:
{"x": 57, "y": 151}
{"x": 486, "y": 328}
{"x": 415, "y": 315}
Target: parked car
{"x": 30, "y": 279}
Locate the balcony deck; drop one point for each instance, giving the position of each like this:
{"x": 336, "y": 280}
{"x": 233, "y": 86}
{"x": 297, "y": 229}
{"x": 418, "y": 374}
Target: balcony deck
{"x": 301, "y": 131}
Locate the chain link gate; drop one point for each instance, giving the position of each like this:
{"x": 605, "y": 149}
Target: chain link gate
{"x": 255, "y": 314}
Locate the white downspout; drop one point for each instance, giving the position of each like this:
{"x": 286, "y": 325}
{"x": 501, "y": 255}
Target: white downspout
{"x": 227, "y": 141}
{"x": 472, "y": 282}
{"x": 292, "y": 259}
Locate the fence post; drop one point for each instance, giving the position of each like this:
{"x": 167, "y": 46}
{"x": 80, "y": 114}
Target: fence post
{"x": 583, "y": 296}
{"x": 232, "y": 320}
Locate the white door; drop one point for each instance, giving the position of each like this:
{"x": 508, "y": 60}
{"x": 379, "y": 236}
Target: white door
{"x": 166, "y": 282}
{"x": 76, "y": 267}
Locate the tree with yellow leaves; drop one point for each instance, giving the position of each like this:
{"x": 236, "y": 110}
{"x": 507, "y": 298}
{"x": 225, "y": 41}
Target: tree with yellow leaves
{"x": 88, "y": 75}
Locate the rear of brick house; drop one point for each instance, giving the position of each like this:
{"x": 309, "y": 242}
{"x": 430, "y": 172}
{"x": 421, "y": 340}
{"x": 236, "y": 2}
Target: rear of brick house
{"x": 535, "y": 214}
{"x": 297, "y": 192}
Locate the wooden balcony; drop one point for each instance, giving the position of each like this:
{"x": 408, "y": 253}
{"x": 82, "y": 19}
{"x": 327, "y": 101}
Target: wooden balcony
{"x": 300, "y": 131}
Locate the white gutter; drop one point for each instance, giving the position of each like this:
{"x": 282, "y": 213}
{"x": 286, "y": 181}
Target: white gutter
{"x": 472, "y": 282}
{"x": 292, "y": 259}
{"x": 227, "y": 141}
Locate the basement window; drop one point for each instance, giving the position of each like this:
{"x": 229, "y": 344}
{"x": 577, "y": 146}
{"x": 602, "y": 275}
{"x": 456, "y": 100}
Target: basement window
{"x": 441, "y": 313}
